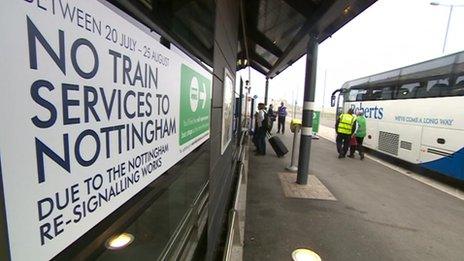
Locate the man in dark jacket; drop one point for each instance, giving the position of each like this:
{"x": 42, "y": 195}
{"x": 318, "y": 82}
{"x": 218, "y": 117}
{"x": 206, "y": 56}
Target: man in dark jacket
{"x": 262, "y": 129}
{"x": 281, "y": 113}
{"x": 272, "y": 116}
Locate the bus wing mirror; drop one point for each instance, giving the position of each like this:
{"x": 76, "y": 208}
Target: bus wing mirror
{"x": 332, "y": 101}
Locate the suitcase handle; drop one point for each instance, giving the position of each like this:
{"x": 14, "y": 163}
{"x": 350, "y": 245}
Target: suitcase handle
{"x": 268, "y": 135}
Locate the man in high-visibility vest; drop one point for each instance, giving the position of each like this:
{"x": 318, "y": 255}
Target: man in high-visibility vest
{"x": 344, "y": 128}
{"x": 360, "y": 133}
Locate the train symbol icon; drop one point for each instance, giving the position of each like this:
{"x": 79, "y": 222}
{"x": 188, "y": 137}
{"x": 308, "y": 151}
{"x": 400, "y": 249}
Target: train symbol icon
{"x": 195, "y": 104}
{"x": 197, "y": 94}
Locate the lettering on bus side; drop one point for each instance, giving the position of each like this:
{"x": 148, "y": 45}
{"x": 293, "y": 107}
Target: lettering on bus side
{"x": 374, "y": 112}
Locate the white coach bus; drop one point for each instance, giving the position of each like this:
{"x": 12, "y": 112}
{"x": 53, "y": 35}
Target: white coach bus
{"x": 414, "y": 113}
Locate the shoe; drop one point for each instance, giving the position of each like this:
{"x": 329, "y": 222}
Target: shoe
{"x": 340, "y": 156}
{"x": 362, "y": 157}
{"x": 351, "y": 156}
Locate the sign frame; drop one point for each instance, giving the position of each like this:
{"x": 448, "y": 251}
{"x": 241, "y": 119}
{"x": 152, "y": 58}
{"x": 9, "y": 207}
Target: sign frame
{"x": 55, "y": 117}
{"x": 228, "y": 101}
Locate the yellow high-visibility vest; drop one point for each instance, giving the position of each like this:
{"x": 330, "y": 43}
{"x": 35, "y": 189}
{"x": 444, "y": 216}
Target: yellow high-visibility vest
{"x": 345, "y": 125}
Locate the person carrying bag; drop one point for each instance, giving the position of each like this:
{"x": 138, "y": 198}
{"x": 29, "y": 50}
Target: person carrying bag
{"x": 358, "y": 136}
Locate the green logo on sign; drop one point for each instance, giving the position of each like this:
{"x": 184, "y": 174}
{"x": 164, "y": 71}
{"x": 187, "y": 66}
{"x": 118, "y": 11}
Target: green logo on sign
{"x": 195, "y": 104}
{"x": 316, "y": 120}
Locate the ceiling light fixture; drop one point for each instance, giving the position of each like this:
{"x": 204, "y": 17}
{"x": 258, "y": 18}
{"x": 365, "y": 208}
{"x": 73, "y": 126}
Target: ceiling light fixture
{"x": 347, "y": 10}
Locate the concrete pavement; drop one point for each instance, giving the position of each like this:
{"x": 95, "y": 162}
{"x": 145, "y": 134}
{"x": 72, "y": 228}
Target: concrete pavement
{"x": 379, "y": 214}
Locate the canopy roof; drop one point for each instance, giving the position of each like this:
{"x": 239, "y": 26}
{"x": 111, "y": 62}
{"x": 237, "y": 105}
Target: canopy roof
{"x": 277, "y": 31}
{"x": 273, "y": 33}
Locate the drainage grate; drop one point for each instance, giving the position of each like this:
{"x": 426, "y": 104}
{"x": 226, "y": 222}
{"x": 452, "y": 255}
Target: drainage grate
{"x": 406, "y": 145}
{"x": 388, "y": 142}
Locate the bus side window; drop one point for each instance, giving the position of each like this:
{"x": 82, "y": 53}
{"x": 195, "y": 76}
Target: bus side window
{"x": 408, "y": 90}
{"x": 375, "y": 94}
{"x": 362, "y": 95}
{"x": 357, "y": 94}
{"x": 381, "y": 93}
{"x": 352, "y": 95}
{"x": 458, "y": 88}
{"x": 436, "y": 88}
{"x": 387, "y": 93}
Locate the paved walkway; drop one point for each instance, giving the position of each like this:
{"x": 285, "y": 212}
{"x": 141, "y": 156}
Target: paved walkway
{"x": 379, "y": 214}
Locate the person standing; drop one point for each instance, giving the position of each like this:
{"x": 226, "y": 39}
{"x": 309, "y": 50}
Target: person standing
{"x": 344, "y": 128}
{"x": 261, "y": 133}
{"x": 282, "y": 113}
{"x": 255, "y": 130}
{"x": 359, "y": 135}
{"x": 272, "y": 116}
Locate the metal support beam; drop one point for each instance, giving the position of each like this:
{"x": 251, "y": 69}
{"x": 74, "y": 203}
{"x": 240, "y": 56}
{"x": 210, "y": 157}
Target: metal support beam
{"x": 310, "y": 26}
{"x": 308, "y": 107}
{"x": 261, "y": 39}
{"x": 260, "y": 60}
{"x": 245, "y": 39}
{"x": 303, "y": 7}
{"x": 255, "y": 58}
{"x": 257, "y": 67}
{"x": 266, "y": 91}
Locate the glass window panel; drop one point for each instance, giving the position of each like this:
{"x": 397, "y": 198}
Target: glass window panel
{"x": 381, "y": 93}
{"x": 153, "y": 229}
{"x": 357, "y": 94}
{"x": 435, "y": 88}
{"x": 407, "y": 90}
{"x": 383, "y": 78}
{"x": 458, "y": 88}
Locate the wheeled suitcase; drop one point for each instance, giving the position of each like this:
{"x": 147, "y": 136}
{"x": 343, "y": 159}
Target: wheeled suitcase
{"x": 278, "y": 146}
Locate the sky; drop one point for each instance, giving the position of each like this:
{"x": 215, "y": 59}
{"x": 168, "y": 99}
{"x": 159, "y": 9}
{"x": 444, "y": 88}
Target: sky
{"x": 388, "y": 35}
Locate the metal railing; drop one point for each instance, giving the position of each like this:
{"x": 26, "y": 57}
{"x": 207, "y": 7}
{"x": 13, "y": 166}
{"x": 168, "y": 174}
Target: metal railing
{"x": 234, "y": 230}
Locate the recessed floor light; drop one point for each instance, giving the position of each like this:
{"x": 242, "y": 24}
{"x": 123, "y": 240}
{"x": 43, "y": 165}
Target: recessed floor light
{"x": 119, "y": 241}
{"x": 303, "y": 254}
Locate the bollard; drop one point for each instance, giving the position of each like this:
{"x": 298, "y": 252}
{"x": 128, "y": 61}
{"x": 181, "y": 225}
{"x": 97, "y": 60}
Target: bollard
{"x": 293, "y": 164}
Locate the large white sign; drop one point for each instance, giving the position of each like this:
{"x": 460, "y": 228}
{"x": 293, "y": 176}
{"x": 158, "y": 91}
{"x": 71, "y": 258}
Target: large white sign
{"x": 91, "y": 113}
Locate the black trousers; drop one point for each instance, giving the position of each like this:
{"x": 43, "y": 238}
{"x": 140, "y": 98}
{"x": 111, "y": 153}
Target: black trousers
{"x": 261, "y": 140}
{"x": 343, "y": 142}
{"x": 359, "y": 147}
{"x": 281, "y": 124}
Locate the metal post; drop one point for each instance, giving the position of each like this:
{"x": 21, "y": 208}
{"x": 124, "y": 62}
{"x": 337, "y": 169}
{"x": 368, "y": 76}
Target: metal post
{"x": 293, "y": 167}
{"x": 323, "y": 95}
{"x": 294, "y": 109}
{"x": 247, "y": 118}
{"x": 252, "y": 115}
{"x": 308, "y": 107}
{"x": 265, "y": 91}
{"x": 447, "y": 28}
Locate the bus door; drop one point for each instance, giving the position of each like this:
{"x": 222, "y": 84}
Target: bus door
{"x": 337, "y": 101}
